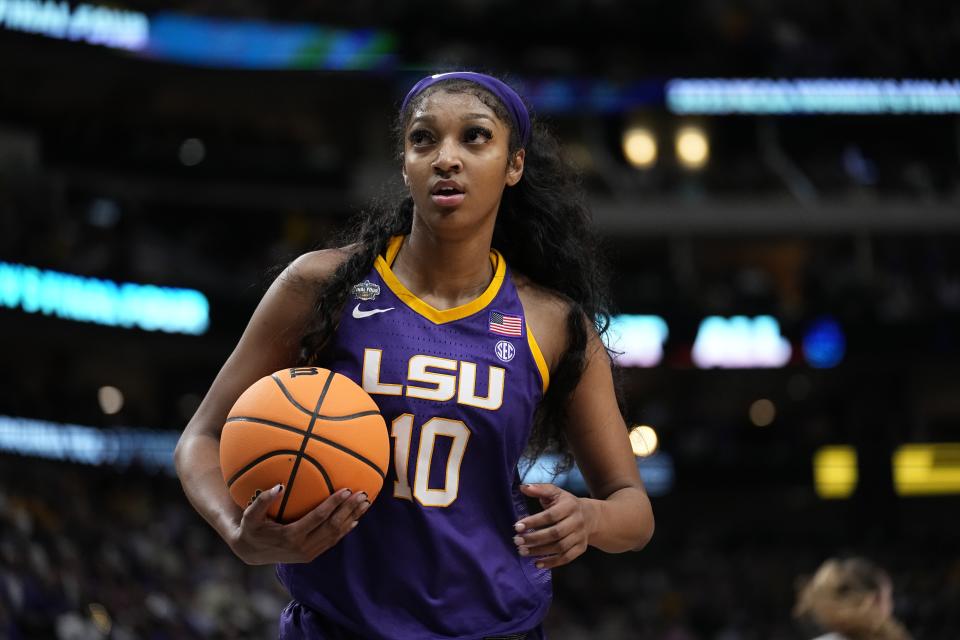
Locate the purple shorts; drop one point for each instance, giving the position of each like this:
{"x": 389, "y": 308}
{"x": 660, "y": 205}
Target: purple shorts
{"x": 298, "y": 622}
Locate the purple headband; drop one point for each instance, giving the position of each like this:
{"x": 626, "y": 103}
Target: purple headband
{"x": 509, "y": 97}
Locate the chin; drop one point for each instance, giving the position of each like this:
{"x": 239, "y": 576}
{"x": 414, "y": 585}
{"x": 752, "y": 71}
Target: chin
{"x": 450, "y": 218}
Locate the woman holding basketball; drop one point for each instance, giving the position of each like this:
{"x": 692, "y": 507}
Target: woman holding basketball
{"x": 467, "y": 312}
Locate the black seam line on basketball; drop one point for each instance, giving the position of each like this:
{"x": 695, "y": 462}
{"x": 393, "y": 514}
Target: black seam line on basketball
{"x": 303, "y": 445}
{"x": 290, "y": 397}
{"x": 319, "y": 417}
{"x": 323, "y": 472}
{"x": 253, "y": 463}
{"x": 281, "y": 452}
{"x": 332, "y": 443}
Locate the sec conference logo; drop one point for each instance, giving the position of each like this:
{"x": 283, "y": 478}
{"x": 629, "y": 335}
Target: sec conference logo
{"x": 505, "y": 351}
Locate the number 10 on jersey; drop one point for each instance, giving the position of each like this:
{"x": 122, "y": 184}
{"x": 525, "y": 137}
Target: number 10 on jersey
{"x": 401, "y": 429}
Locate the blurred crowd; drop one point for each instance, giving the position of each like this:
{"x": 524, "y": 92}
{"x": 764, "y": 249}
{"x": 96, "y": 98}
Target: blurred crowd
{"x": 741, "y": 590}
{"x": 89, "y": 553}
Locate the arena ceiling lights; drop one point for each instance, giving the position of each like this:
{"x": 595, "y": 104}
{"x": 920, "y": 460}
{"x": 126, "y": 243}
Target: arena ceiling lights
{"x": 254, "y": 44}
{"x": 812, "y": 96}
{"x": 737, "y": 342}
{"x": 747, "y": 96}
{"x": 919, "y": 469}
{"x": 83, "y": 299}
{"x": 205, "y": 42}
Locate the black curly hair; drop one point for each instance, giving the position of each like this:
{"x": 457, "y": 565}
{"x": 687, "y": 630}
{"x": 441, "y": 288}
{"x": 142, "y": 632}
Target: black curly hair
{"x": 544, "y": 231}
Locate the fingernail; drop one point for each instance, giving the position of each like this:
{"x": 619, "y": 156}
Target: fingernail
{"x": 278, "y": 488}
{"x": 517, "y": 540}
{"x": 519, "y": 526}
{"x": 347, "y": 492}
{"x": 539, "y": 565}
{"x": 363, "y": 496}
{"x": 524, "y": 551}
{"x": 364, "y": 507}
{"x": 355, "y": 523}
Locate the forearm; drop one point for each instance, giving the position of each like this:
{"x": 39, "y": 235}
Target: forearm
{"x": 621, "y": 522}
{"x": 197, "y": 461}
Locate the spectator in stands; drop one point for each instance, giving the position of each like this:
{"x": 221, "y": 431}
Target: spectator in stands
{"x": 851, "y": 599}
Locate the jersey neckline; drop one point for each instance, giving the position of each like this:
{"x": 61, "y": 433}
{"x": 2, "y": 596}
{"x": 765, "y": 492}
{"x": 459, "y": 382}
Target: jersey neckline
{"x": 383, "y": 266}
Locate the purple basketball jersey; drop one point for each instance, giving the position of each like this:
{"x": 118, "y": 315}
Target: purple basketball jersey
{"x": 433, "y": 557}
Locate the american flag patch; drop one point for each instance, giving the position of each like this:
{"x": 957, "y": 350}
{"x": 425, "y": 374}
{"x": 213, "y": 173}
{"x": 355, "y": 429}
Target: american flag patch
{"x": 504, "y": 325}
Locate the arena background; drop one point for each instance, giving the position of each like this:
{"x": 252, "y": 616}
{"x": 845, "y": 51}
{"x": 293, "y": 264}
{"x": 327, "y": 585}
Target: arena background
{"x": 778, "y": 187}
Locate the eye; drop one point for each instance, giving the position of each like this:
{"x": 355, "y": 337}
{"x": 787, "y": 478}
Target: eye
{"x": 478, "y": 134}
{"x": 420, "y": 137}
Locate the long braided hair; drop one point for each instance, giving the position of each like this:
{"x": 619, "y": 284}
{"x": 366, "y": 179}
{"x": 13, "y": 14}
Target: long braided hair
{"x": 543, "y": 229}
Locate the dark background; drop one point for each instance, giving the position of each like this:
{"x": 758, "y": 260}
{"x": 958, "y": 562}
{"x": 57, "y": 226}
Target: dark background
{"x": 855, "y": 217}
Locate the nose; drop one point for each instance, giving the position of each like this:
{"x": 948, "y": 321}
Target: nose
{"x": 447, "y": 159}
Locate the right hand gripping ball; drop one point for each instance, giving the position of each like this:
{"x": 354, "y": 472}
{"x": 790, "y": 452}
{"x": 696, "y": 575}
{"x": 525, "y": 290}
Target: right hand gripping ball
{"x": 313, "y": 431}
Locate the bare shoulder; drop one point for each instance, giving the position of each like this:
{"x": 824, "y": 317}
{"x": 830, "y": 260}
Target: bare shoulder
{"x": 546, "y": 314}
{"x": 317, "y": 266}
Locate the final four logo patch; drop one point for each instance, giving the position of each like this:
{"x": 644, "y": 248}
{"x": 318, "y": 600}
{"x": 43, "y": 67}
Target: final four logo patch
{"x": 366, "y": 290}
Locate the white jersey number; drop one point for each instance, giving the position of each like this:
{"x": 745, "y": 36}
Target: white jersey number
{"x": 402, "y": 430}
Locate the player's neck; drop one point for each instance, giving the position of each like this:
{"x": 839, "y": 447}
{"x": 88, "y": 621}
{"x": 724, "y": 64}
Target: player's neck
{"x": 444, "y": 272}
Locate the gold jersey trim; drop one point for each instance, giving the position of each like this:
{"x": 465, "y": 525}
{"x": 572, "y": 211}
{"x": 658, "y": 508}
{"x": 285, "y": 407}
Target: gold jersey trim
{"x": 539, "y": 359}
{"x": 439, "y": 316}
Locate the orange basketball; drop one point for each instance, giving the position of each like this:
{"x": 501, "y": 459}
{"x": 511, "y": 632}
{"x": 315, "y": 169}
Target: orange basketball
{"x": 309, "y": 429}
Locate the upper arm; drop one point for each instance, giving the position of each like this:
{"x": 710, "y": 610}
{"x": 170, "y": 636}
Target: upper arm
{"x": 271, "y": 340}
{"x": 595, "y": 428}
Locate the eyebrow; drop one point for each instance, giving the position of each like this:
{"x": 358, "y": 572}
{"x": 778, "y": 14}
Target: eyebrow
{"x": 476, "y": 116}
{"x": 467, "y": 116}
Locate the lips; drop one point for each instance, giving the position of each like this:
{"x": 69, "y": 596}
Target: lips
{"x": 447, "y": 193}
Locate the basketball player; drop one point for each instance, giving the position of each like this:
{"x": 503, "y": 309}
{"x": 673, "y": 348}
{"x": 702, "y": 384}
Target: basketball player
{"x": 467, "y": 312}
{"x": 852, "y": 599}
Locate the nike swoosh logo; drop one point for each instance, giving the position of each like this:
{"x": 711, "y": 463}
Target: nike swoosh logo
{"x": 357, "y": 313}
